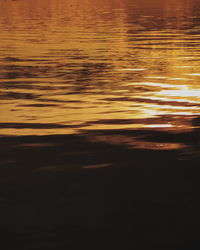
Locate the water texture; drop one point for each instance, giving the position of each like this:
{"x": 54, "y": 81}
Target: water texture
{"x": 99, "y": 124}
{"x": 71, "y": 66}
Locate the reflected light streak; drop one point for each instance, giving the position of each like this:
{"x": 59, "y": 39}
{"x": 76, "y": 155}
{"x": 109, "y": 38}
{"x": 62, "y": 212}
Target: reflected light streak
{"x": 193, "y": 74}
{"x": 184, "y": 91}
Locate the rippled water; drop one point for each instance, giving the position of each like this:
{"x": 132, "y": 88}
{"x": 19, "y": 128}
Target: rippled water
{"x": 72, "y": 66}
{"x": 99, "y": 124}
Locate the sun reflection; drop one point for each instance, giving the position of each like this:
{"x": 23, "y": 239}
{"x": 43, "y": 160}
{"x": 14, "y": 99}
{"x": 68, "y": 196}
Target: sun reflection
{"x": 156, "y": 84}
{"x": 193, "y": 74}
{"x": 183, "y": 91}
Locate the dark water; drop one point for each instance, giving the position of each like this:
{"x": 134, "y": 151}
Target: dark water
{"x": 99, "y": 124}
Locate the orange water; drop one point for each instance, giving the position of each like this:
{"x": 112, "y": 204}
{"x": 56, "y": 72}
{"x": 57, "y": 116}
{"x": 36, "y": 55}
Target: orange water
{"x": 80, "y": 65}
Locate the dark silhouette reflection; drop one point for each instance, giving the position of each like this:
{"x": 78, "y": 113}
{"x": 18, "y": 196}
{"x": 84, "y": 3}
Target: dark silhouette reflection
{"x": 196, "y": 122}
{"x": 35, "y": 125}
{"x": 71, "y": 190}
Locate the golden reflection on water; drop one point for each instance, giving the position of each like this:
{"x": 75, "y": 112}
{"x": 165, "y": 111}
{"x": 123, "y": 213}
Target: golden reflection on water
{"x": 73, "y": 65}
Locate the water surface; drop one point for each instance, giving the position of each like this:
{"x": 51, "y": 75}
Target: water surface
{"x": 99, "y": 124}
{"x": 69, "y": 67}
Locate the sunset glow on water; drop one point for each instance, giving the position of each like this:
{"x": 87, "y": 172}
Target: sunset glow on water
{"x": 99, "y": 124}
{"x": 71, "y": 64}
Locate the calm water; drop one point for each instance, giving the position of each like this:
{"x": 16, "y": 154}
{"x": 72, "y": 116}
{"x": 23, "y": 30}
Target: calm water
{"x": 69, "y": 67}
